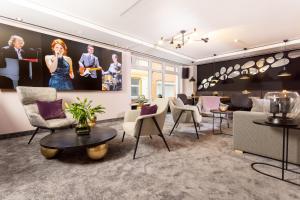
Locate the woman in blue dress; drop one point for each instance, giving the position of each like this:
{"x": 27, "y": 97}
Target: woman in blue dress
{"x": 60, "y": 66}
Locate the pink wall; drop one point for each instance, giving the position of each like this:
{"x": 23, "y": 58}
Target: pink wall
{"x": 13, "y": 118}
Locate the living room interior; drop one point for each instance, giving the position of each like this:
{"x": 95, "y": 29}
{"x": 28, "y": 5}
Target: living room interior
{"x": 139, "y": 99}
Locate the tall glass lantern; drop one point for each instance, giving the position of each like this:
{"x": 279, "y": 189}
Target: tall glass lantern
{"x": 282, "y": 106}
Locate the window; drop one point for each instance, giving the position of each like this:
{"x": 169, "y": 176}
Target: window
{"x": 153, "y": 78}
{"x": 156, "y": 86}
{"x": 169, "y": 68}
{"x": 139, "y": 83}
{"x": 141, "y": 62}
{"x": 156, "y": 66}
{"x": 171, "y": 85}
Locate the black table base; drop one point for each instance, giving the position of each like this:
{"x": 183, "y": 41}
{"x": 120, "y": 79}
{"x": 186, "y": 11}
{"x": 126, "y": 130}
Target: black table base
{"x": 285, "y": 156}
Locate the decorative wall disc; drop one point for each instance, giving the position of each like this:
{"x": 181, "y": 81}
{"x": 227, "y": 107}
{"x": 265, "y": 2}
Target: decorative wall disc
{"x": 263, "y": 69}
{"x": 223, "y": 77}
{"x": 223, "y": 70}
{"x": 204, "y": 81}
{"x": 280, "y": 63}
{"x": 237, "y": 67}
{"x": 209, "y": 79}
{"x": 260, "y": 63}
{"x": 200, "y": 87}
{"x": 278, "y": 56}
{"x": 206, "y": 85}
{"x": 270, "y": 60}
{"x": 217, "y": 74}
{"x": 229, "y": 70}
{"x": 253, "y": 71}
{"x": 294, "y": 54}
{"x": 248, "y": 64}
{"x": 234, "y": 74}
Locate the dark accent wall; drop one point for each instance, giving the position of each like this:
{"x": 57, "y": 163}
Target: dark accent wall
{"x": 261, "y": 81}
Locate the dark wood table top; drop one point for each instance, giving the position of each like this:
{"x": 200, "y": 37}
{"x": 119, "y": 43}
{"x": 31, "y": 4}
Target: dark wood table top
{"x": 67, "y": 138}
{"x": 265, "y": 122}
{"x": 219, "y": 111}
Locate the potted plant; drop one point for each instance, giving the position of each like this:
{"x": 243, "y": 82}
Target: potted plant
{"x": 141, "y": 100}
{"x": 83, "y": 112}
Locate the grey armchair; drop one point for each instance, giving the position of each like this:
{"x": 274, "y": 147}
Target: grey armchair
{"x": 146, "y": 125}
{"x": 28, "y": 97}
{"x": 185, "y": 114}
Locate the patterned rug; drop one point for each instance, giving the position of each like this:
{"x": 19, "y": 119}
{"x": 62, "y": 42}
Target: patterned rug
{"x": 207, "y": 168}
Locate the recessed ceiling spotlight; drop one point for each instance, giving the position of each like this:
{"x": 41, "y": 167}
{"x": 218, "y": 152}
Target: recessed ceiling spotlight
{"x": 161, "y": 41}
{"x": 19, "y": 19}
{"x": 236, "y": 40}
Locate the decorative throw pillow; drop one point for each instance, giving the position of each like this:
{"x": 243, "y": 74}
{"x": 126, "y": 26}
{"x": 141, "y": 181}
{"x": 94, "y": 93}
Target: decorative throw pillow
{"x": 51, "y": 109}
{"x": 260, "y": 105}
{"x": 178, "y": 102}
{"x": 148, "y": 110}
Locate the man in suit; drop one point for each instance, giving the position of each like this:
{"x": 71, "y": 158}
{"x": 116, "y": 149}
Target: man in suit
{"x": 88, "y": 68}
{"x": 9, "y": 57}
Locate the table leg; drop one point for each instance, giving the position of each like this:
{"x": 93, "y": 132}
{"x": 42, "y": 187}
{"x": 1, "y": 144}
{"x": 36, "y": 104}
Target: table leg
{"x": 49, "y": 153}
{"x": 97, "y": 152}
{"x": 287, "y": 149}
{"x": 283, "y": 155}
{"x": 213, "y": 122}
{"x": 220, "y": 123}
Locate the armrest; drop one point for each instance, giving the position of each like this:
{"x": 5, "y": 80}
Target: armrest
{"x": 37, "y": 120}
{"x": 131, "y": 115}
{"x": 146, "y": 116}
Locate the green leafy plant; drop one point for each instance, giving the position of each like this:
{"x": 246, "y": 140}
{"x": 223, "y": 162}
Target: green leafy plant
{"x": 141, "y": 99}
{"x": 83, "y": 111}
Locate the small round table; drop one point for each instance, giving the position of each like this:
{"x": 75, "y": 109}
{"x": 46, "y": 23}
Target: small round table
{"x": 95, "y": 142}
{"x": 218, "y": 113}
{"x": 285, "y": 149}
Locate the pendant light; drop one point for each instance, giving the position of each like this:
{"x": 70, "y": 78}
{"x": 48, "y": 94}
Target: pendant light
{"x": 214, "y": 80}
{"x": 284, "y": 72}
{"x": 245, "y": 75}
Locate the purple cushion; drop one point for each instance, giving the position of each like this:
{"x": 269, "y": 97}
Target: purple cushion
{"x": 148, "y": 110}
{"x": 51, "y": 109}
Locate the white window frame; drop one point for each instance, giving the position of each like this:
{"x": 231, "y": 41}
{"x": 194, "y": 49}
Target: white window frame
{"x": 163, "y": 71}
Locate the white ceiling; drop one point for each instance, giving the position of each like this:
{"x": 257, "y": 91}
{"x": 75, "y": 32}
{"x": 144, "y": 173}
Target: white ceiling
{"x": 254, "y": 23}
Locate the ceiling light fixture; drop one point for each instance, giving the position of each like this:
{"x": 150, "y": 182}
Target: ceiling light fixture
{"x": 192, "y": 79}
{"x": 182, "y": 38}
{"x": 284, "y": 72}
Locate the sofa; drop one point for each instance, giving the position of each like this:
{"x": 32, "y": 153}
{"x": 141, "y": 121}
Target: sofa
{"x": 262, "y": 140}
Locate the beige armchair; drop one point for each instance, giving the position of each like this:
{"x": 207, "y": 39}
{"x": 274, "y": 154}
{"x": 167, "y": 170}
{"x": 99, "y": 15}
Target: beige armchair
{"x": 146, "y": 125}
{"x": 28, "y": 97}
{"x": 185, "y": 114}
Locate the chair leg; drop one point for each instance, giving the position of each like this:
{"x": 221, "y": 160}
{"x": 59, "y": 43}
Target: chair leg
{"x": 176, "y": 122}
{"x": 160, "y": 133}
{"x": 36, "y": 130}
{"x": 138, "y": 138}
{"x": 150, "y": 137}
{"x": 195, "y": 125}
{"x": 123, "y": 136}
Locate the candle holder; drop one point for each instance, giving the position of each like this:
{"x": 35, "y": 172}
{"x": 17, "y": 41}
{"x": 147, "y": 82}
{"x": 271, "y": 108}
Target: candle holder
{"x": 281, "y": 104}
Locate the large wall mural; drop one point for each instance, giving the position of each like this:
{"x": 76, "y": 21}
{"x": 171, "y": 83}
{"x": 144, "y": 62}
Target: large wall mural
{"x": 262, "y": 70}
{"x": 29, "y": 58}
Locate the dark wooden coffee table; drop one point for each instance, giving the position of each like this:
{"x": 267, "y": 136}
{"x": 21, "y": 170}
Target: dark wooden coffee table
{"x": 95, "y": 142}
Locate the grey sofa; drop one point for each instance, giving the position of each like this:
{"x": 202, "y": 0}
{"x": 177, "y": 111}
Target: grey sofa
{"x": 262, "y": 140}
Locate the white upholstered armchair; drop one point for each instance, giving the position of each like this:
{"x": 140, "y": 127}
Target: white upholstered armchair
{"x": 146, "y": 125}
{"x": 185, "y": 114}
{"x": 28, "y": 97}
